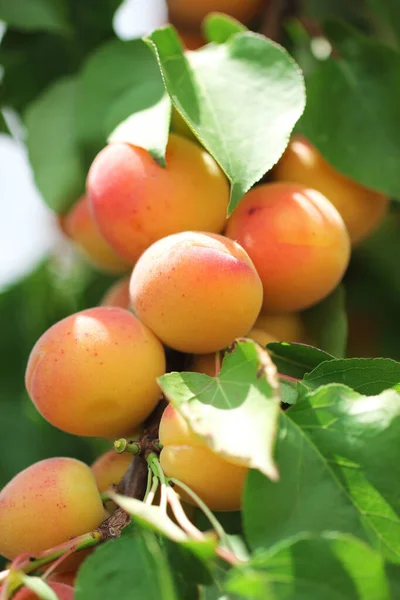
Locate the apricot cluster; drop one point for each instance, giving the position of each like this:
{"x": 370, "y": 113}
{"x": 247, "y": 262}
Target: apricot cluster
{"x": 198, "y": 281}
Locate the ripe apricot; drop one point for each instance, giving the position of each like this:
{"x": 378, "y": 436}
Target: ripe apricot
{"x": 136, "y": 202}
{"x": 185, "y": 456}
{"x": 273, "y": 328}
{"x": 297, "y": 241}
{"x": 196, "y": 291}
{"x": 118, "y": 294}
{"x": 80, "y": 226}
{"x": 362, "y": 209}
{"x": 64, "y": 592}
{"x": 110, "y": 468}
{"x": 191, "y": 40}
{"x": 191, "y": 14}
{"x": 94, "y": 373}
{"x": 205, "y": 363}
{"x": 67, "y": 578}
{"x": 46, "y": 504}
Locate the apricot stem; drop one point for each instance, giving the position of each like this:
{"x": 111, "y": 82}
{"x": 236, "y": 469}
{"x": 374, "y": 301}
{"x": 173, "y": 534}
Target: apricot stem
{"x": 123, "y": 445}
{"x": 150, "y": 496}
{"x": 219, "y": 530}
{"x": 155, "y": 466}
{"x": 180, "y": 515}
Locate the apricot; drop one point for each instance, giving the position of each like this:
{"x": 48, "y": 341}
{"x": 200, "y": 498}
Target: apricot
{"x": 118, "y": 294}
{"x": 110, "y": 468}
{"x": 362, "y": 209}
{"x": 186, "y": 457}
{"x": 191, "y": 14}
{"x": 196, "y": 291}
{"x": 67, "y": 578}
{"x": 191, "y": 40}
{"x": 94, "y": 373}
{"x": 278, "y": 328}
{"x": 136, "y": 202}
{"x": 205, "y": 363}
{"x": 64, "y": 592}
{"x": 47, "y": 504}
{"x": 297, "y": 241}
{"x": 80, "y": 226}
{"x": 179, "y": 126}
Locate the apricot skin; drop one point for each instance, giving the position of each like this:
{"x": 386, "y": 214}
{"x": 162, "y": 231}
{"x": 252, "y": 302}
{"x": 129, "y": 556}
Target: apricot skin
{"x": 94, "y": 373}
{"x": 46, "y": 504}
{"x": 184, "y": 456}
{"x": 80, "y": 226}
{"x": 278, "y": 328}
{"x": 64, "y": 592}
{"x": 361, "y": 209}
{"x": 191, "y": 14}
{"x": 136, "y": 202}
{"x": 118, "y": 294}
{"x": 110, "y": 468}
{"x": 196, "y": 291}
{"x": 297, "y": 241}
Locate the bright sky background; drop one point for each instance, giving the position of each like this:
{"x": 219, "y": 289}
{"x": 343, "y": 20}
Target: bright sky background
{"x": 27, "y": 228}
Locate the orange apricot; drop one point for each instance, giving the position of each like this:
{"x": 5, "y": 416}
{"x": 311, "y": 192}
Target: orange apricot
{"x": 273, "y": 328}
{"x": 110, "y": 468}
{"x": 117, "y": 294}
{"x": 64, "y": 592}
{"x": 67, "y": 578}
{"x": 80, "y": 226}
{"x": 47, "y": 504}
{"x": 191, "y": 14}
{"x": 205, "y": 363}
{"x": 186, "y": 457}
{"x": 94, "y": 373}
{"x": 191, "y": 40}
{"x": 297, "y": 241}
{"x": 196, "y": 291}
{"x": 136, "y": 202}
{"x": 362, "y": 209}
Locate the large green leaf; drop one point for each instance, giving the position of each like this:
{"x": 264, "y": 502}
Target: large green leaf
{"x": 339, "y": 460}
{"x": 389, "y": 11}
{"x": 241, "y": 403}
{"x": 53, "y": 147}
{"x": 249, "y": 74}
{"x": 326, "y": 323}
{"x": 35, "y": 14}
{"x": 357, "y": 97}
{"x": 367, "y": 376}
{"x": 295, "y": 360}
{"x": 219, "y": 28}
{"x": 330, "y": 567}
{"x": 119, "y": 80}
{"x": 129, "y": 568}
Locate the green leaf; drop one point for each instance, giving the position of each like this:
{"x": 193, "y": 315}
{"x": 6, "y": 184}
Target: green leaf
{"x": 127, "y": 569}
{"x": 333, "y": 567}
{"x": 219, "y": 28}
{"x": 40, "y": 588}
{"x": 367, "y": 376}
{"x": 339, "y": 460}
{"x": 295, "y": 360}
{"x": 326, "y": 323}
{"x": 53, "y": 147}
{"x": 157, "y": 520}
{"x": 147, "y": 128}
{"x": 241, "y": 403}
{"x": 122, "y": 79}
{"x": 187, "y": 569}
{"x": 357, "y": 97}
{"x": 207, "y": 87}
{"x": 48, "y": 15}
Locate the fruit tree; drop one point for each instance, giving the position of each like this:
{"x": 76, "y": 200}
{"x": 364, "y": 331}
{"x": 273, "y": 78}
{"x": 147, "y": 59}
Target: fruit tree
{"x": 200, "y": 394}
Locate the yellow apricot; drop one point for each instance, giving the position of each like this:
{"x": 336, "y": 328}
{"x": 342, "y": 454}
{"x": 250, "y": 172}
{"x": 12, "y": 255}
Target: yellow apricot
{"x": 186, "y": 457}
{"x": 196, "y": 291}
{"x": 80, "y": 226}
{"x": 46, "y": 504}
{"x": 117, "y": 294}
{"x": 94, "y": 373}
{"x": 278, "y": 328}
{"x": 297, "y": 241}
{"x": 362, "y": 209}
{"x": 110, "y": 468}
{"x": 136, "y": 202}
